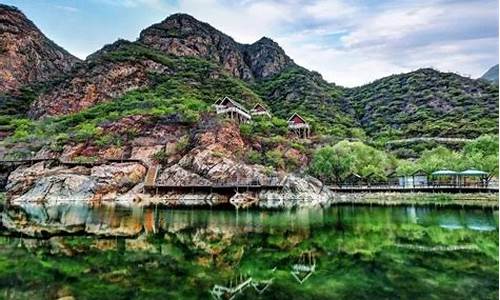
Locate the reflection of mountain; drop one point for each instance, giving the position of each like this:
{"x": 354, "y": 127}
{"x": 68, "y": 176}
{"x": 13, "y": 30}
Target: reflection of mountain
{"x": 185, "y": 253}
{"x": 43, "y": 220}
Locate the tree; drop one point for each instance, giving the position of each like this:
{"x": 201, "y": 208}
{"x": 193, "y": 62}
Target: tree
{"x": 344, "y": 158}
{"x": 406, "y": 168}
{"x": 439, "y": 158}
{"x": 481, "y": 153}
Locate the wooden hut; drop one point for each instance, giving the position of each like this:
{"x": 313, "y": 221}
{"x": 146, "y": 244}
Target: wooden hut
{"x": 299, "y": 126}
{"x": 232, "y": 109}
{"x": 259, "y": 110}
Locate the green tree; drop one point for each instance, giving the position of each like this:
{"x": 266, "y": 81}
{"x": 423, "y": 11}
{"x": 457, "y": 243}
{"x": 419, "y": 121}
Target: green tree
{"x": 439, "y": 158}
{"x": 331, "y": 164}
{"x": 481, "y": 153}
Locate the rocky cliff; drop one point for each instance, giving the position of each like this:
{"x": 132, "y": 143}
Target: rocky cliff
{"x": 26, "y": 54}
{"x": 183, "y": 35}
{"x": 99, "y": 78}
{"x": 213, "y": 157}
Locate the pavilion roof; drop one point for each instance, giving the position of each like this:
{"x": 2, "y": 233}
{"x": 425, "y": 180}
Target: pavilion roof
{"x": 444, "y": 173}
{"x": 473, "y": 172}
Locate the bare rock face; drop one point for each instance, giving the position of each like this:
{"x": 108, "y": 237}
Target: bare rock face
{"x": 41, "y": 183}
{"x": 183, "y": 35}
{"x": 26, "y": 54}
{"x": 297, "y": 192}
{"x": 118, "y": 177}
{"x": 96, "y": 80}
{"x": 66, "y": 187}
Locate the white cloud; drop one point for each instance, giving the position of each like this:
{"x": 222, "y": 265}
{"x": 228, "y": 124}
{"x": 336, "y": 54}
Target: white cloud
{"x": 67, "y": 8}
{"x": 354, "y": 42}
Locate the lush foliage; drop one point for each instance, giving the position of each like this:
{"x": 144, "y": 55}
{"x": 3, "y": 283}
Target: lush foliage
{"x": 426, "y": 103}
{"x": 335, "y": 164}
{"x": 299, "y": 90}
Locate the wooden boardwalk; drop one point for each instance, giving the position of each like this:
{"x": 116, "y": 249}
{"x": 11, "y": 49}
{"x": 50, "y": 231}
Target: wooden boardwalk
{"x": 59, "y": 161}
{"x": 152, "y": 173}
{"x": 416, "y": 189}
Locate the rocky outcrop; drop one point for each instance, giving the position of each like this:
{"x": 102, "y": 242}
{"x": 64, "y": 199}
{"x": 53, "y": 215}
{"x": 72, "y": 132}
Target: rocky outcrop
{"x": 43, "y": 183}
{"x": 96, "y": 80}
{"x": 183, "y": 35}
{"x": 297, "y": 192}
{"x": 214, "y": 158}
{"x": 26, "y": 54}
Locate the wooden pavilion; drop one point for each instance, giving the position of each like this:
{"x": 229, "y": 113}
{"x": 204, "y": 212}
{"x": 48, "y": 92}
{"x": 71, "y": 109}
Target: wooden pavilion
{"x": 260, "y": 110}
{"x": 445, "y": 178}
{"x": 299, "y": 126}
{"x": 473, "y": 177}
{"x": 232, "y": 109}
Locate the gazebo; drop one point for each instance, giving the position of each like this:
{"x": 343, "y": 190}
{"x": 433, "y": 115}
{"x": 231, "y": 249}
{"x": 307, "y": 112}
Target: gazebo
{"x": 476, "y": 177}
{"x": 417, "y": 178}
{"x": 445, "y": 177}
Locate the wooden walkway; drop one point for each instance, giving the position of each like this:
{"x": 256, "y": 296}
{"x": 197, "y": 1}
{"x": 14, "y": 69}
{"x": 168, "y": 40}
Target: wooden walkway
{"x": 150, "y": 180}
{"x": 416, "y": 189}
{"x": 69, "y": 163}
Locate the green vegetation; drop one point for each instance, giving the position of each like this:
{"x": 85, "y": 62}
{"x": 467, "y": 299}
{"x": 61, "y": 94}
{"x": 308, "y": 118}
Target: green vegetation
{"x": 336, "y": 163}
{"x": 299, "y": 90}
{"x": 182, "y": 95}
{"x": 426, "y": 103}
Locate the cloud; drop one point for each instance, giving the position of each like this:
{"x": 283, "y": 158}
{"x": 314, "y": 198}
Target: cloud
{"x": 352, "y": 42}
{"x": 70, "y": 9}
{"x": 371, "y": 42}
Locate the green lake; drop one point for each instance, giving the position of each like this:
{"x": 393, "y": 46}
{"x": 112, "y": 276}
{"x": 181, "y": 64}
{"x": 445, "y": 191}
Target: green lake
{"x": 343, "y": 252}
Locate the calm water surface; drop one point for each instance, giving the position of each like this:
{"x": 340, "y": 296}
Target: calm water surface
{"x": 49, "y": 252}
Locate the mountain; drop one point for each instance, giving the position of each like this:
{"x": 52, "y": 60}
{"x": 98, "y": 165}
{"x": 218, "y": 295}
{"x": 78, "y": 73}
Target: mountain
{"x": 26, "y": 54}
{"x": 183, "y": 35}
{"x": 188, "y": 64}
{"x": 491, "y": 74}
{"x": 120, "y": 68}
{"x": 424, "y": 103}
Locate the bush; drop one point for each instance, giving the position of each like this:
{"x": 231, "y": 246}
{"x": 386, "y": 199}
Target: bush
{"x": 182, "y": 144}
{"x": 254, "y": 157}
{"x": 86, "y": 131}
{"x": 275, "y": 158}
{"x": 160, "y": 157}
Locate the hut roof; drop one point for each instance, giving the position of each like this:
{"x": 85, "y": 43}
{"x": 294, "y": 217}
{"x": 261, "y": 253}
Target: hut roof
{"x": 444, "y": 173}
{"x": 259, "y": 105}
{"x": 419, "y": 173}
{"x": 296, "y": 114}
{"x": 473, "y": 172}
{"x": 226, "y": 98}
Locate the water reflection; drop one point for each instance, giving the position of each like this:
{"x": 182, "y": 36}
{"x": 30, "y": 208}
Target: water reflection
{"x": 110, "y": 220}
{"x": 345, "y": 252}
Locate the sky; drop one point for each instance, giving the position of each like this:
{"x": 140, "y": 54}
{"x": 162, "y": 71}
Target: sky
{"x": 350, "y": 42}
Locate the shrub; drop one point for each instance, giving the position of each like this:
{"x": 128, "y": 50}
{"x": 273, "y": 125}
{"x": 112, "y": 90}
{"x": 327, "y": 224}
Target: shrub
{"x": 254, "y": 157}
{"x": 160, "y": 157}
{"x": 275, "y": 158}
